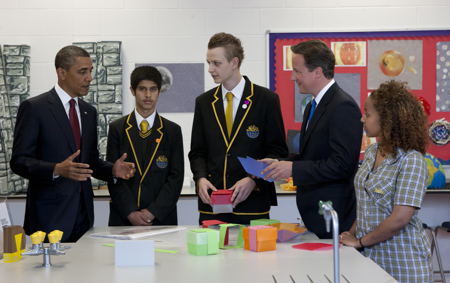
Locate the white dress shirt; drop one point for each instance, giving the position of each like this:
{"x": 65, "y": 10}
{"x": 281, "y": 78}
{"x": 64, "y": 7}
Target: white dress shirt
{"x": 237, "y": 92}
{"x": 150, "y": 119}
{"x": 65, "y": 98}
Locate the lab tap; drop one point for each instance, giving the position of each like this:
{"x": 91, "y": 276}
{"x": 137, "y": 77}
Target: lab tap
{"x": 38, "y": 247}
{"x": 326, "y": 209}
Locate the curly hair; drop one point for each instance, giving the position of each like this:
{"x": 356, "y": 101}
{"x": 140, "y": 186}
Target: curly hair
{"x": 232, "y": 45}
{"x": 402, "y": 118}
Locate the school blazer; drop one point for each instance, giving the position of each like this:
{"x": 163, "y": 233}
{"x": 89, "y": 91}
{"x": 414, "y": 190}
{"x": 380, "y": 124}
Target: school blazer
{"x": 159, "y": 175}
{"x": 258, "y": 132}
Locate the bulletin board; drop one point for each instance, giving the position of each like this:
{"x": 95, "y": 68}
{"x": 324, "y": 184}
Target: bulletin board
{"x": 363, "y": 61}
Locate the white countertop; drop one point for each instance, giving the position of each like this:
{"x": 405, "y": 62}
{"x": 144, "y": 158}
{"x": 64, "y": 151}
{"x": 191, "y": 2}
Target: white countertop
{"x": 89, "y": 261}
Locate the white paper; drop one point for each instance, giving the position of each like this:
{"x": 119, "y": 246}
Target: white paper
{"x": 5, "y": 220}
{"x": 222, "y": 208}
{"x": 138, "y": 232}
{"x": 135, "y": 253}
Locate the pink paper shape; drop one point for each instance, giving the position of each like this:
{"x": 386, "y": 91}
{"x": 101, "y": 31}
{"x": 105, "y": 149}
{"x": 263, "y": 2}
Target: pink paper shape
{"x": 313, "y": 246}
{"x": 252, "y": 238}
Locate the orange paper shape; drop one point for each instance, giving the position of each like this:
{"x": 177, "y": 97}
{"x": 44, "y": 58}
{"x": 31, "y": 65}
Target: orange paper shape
{"x": 260, "y": 238}
{"x": 288, "y": 231}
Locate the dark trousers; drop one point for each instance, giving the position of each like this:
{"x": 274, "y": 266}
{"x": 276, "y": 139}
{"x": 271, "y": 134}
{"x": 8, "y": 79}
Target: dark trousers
{"x": 81, "y": 223}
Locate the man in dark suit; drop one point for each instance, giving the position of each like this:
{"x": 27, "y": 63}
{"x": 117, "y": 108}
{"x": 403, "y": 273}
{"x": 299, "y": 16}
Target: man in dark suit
{"x": 155, "y": 145}
{"x": 330, "y": 141}
{"x": 235, "y": 119}
{"x": 55, "y": 148}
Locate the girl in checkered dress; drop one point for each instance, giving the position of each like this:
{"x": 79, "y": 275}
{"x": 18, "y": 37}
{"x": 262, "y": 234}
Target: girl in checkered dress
{"x": 390, "y": 186}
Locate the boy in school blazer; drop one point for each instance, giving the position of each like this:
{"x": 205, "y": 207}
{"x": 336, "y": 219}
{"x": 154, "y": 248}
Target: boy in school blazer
{"x": 245, "y": 122}
{"x": 155, "y": 145}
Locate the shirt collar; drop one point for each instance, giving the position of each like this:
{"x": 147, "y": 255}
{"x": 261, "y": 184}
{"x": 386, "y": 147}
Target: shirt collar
{"x": 319, "y": 96}
{"x": 237, "y": 91}
{"x": 150, "y": 119}
{"x": 63, "y": 95}
{"x": 389, "y": 159}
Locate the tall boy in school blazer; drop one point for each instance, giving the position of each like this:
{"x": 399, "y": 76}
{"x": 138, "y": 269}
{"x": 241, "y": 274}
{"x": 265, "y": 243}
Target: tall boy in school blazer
{"x": 255, "y": 129}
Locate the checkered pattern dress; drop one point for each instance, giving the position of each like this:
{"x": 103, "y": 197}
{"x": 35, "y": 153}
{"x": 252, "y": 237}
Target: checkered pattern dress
{"x": 397, "y": 181}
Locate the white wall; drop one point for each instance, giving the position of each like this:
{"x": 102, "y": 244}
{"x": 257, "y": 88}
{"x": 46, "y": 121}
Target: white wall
{"x": 178, "y": 30}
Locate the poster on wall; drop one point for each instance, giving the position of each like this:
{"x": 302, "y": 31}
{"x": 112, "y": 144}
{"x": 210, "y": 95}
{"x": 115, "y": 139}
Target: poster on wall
{"x": 182, "y": 83}
{"x": 363, "y": 61}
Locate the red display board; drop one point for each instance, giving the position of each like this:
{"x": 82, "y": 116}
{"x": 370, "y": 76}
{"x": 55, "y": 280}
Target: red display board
{"x": 363, "y": 61}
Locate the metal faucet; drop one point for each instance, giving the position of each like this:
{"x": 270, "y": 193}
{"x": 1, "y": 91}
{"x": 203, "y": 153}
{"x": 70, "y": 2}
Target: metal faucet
{"x": 38, "y": 248}
{"x": 326, "y": 209}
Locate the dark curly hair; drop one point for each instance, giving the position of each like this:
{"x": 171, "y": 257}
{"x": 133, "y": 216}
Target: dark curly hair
{"x": 402, "y": 118}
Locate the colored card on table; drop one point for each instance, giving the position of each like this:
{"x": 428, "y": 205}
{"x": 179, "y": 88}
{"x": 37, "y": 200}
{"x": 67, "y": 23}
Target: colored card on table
{"x": 313, "y": 246}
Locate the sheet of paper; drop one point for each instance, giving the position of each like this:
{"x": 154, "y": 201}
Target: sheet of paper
{"x": 253, "y": 167}
{"x": 5, "y": 220}
{"x": 138, "y": 232}
{"x": 134, "y": 253}
{"x": 313, "y": 246}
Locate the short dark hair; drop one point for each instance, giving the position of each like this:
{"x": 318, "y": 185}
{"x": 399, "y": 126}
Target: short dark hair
{"x": 65, "y": 57}
{"x": 232, "y": 45}
{"x": 316, "y": 54}
{"x": 142, "y": 73}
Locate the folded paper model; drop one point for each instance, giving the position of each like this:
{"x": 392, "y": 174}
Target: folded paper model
{"x": 260, "y": 238}
{"x": 215, "y": 224}
{"x": 221, "y": 201}
{"x": 288, "y": 231}
{"x": 231, "y": 236}
{"x": 263, "y": 222}
{"x": 14, "y": 242}
{"x": 203, "y": 241}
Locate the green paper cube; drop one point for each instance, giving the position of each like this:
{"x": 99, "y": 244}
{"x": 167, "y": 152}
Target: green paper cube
{"x": 194, "y": 249}
{"x": 203, "y": 241}
{"x": 223, "y": 233}
{"x": 263, "y": 222}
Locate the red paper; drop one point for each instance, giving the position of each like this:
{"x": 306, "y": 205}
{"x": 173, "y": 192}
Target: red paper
{"x": 313, "y": 246}
{"x": 207, "y": 223}
{"x": 221, "y": 197}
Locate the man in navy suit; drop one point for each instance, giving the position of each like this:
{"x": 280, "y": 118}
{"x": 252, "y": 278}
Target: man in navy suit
{"x": 55, "y": 148}
{"x": 330, "y": 141}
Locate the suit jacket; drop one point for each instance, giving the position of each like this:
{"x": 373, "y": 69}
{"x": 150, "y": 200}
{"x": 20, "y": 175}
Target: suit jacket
{"x": 258, "y": 132}
{"x": 159, "y": 176}
{"x": 328, "y": 159}
{"x": 42, "y": 138}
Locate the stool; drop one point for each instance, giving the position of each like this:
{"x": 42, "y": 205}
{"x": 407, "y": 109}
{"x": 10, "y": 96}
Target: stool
{"x": 445, "y": 227}
{"x": 435, "y": 247}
